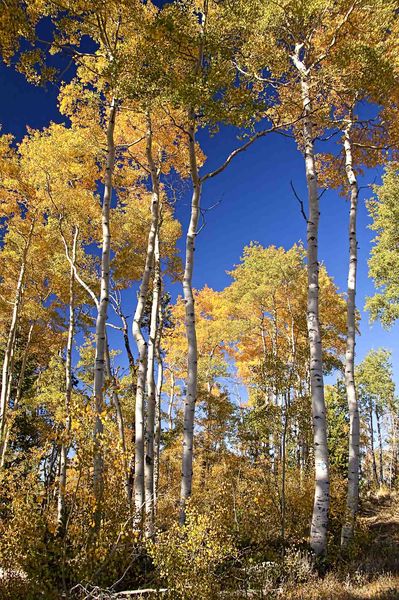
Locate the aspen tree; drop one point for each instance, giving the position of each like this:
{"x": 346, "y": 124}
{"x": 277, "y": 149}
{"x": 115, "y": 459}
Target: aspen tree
{"x": 207, "y": 92}
{"x": 109, "y": 28}
{"x": 306, "y": 36}
{"x": 62, "y": 477}
{"x": 7, "y": 369}
{"x": 151, "y": 392}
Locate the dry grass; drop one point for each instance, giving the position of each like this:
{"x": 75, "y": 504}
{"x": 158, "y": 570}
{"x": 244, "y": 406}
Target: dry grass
{"x": 373, "y": 570}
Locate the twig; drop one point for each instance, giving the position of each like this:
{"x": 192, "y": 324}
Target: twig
{"x": 299, "y": 201}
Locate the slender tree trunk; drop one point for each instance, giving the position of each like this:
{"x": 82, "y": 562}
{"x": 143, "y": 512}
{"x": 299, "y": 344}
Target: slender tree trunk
{"x": 158, "y": 424}
{"x": 371, "y": 430}
{"x": 151, "y": 395}
{"x": 283, "y": 465}
{"x": 171, "y": 400}
{"x": 141, "y": 343}
{"x": 120, "y": 423}
{"x": 318, "y": 531}
{"x": 380, "y": 452}
{"x": 99, "y": 369}
{"x": 352, "y": 501}
{"x": 393, "y": 460}
{"x": 6, "y": 379}
{"x": 18, "y": 395}
{"x": 192, "y": 356}
{"x": 62, "y": 477}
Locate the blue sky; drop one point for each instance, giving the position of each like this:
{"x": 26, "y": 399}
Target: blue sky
{"x": 255, "y": 202}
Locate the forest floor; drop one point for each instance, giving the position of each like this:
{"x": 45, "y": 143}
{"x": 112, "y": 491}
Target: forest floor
{"x": 373, "y": 571}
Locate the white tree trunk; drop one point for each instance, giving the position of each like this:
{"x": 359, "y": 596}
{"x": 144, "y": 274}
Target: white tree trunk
{"x": 18, "y": 396}
{"x": 192, "y": 357}
{"x": 171, "y": 400}
{"x": 151, "y": 395}
{"x": 158, "y": 424}
{"x": 318, "y": 530}
{"x": 120, "y": 423}
{"x": 6, "y": 379}
{"x": 139, "y": 496}
{"x": 62, "y": 477}
{"x": 99, "y": 367}
{"x": 354, "y": 424}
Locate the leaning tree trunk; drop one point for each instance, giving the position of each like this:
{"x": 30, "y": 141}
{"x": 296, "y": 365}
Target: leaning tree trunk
{"x": 192, "y": 355}
{"x": 99, "y": 367}
{"x": 319, "y": 525}
{"x": 6, "y": 379}
{"x": 151, "y": 394}
{"x": 62, "y": 478}
{"x": 352, "y": 501}
{"x": 139, "y": 495}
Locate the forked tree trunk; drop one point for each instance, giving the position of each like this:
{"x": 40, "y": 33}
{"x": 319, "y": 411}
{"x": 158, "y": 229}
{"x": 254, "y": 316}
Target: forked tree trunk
{"x": 100, "y": 343}
{"x": 352, "y": 501}
{"x": 6, "y": 379}
{"x": 139, "y": 495}
{"x": 151, "y": 394}
{"x": 192, "y": 355}
{"x": 62, "y": 477}
{"x": 318, "y": 530}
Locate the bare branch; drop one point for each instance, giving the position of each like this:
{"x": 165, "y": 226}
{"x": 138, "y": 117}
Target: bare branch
{"x": 300, "y": 201}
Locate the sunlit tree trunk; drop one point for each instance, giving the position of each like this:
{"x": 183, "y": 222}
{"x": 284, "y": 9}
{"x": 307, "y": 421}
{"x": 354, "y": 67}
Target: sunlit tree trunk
{"x": 139, "y": 495}
{"x": 120, "y": 423}
{"x": 318, "y": 530}
{"x": 62, "y": 477}
{"x": 18, "y": 395}
{"x": 151, "y": 394}
{"x": 283, "y": 463}
{"x": 372, "y": 450}
{"x": 380, "y": 451}
{"x": 171, "y": 400}
{"x": 158, "y": 413}
{"x": 6, "y": 379}
{"x": 354, "y": 424}
{"x": 100, "y": 340}
{"x": 192, "y": 355}
{"x": 394, "y": 450}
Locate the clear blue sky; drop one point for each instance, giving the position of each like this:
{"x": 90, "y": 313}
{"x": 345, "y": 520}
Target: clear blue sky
{"x": 255, "y": 203}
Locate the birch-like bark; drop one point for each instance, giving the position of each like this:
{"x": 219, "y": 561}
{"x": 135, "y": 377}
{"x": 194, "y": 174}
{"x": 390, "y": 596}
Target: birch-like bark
{"x": 192, "y": 355}
{"x": 393, "y": 458}
{"x": 352, "y": 500}
{"x": 99, "y": 367}
{"x": 319, "y": 525}
{"x": 171, "y": 400}
{"x": 18, "y": 395}
{"x": 62, "y": 477}
{"x": 149, "y": 485}
{"x": 120, "y": 423}
{"x": 6, "y": 379}
{"x": 158, "y": 424}
{"x": 380, "y": 452}
{"x": 372, "y": 450}
{"x": 139, "y": 494}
